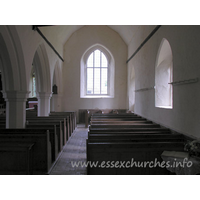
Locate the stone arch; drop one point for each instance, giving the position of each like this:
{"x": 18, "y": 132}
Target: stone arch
{"x": 42, "y": 69}
{"x": 43, "y": 80}
{"x": 164, "y": 75}
{"x": 56, "y": 102}
{"x": 12, "y": 66}
{"x": 5, "y": 67}
{"x": 57, "y": 78}
{"x": 12, "y": 59}
{"x": 31, "y": 94}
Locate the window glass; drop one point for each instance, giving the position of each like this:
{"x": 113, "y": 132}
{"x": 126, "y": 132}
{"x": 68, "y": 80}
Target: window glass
{"x": 104, "y": 61}
{"x": 89, "y": 80}
{"x": 97, "y": 73}
{"x": 97, "y": 61}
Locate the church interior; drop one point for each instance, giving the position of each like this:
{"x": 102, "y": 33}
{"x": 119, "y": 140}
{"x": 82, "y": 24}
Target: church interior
{"x": 147, "y": 72}
{"x": 99, "y": 100}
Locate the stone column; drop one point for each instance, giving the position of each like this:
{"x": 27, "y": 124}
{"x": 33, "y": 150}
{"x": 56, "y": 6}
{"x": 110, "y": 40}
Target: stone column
{"x": 15, "y": 108}
{"x": 56, "y": 103}
{"x": 43, "y": 103}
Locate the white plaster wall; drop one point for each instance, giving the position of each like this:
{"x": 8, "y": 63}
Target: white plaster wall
{"x": 73, "y": 51}
{"x": 30, "y": 41}
{"x": 184, "y": 41}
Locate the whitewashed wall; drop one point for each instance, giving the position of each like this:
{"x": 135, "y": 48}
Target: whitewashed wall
{"x": 184, "y": 41}
{"x": 74, "y": 48}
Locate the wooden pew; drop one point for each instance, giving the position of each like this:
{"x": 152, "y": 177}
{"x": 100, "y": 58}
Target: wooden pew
{"x": 113, "y": 115}
{"x": 94, "y": 122}
{"x": 142, "y": 152}
{"x": 121, "y": 126}
{"x": 60, "y": 123}
{"x": 117, "y": 118}
{"x": 64, "y": 123}
{"x": 41, "y": 162}
{"x": 57, "y": 130}
{"x": 71, "y": 114}
{"x": 124, "y": 137}
{"x": 72, "y": 118}
{"x": 134, "y": 137}
{"x": 85, "y": 114}
{"x": 128, "y": 130}
{"x": 16, "y": 158}
{"x": 55, "y": 137}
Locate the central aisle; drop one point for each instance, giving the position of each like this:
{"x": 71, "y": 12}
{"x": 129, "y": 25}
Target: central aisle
{"x": 74, "y": 151}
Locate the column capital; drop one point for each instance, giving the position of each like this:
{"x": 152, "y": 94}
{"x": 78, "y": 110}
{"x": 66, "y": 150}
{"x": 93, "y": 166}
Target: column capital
{"x": 13, "y": 95}
{"x": 43, "y": 95}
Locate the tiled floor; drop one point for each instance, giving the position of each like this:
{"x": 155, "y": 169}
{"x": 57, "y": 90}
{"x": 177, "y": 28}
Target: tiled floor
{"x": 74, "y": 151}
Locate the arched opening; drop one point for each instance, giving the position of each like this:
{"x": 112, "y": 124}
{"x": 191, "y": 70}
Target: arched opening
{"x": 32, "y": 100}
{"x": 14, "y": 83}
{"x": 42, "y": 80}
{"x": 163, "y": 76}
{"x": 57, "y": 80}
{"x": 32, "y": 83}
{"x": 131, "y": 86}
{"x": 97, "y": 69}
{"x": 2, "y": 101}
{"x": 56, "y": 104}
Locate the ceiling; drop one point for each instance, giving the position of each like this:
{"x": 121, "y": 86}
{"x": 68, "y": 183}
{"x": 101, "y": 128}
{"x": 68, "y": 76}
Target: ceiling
{"x": 58, "y": 35}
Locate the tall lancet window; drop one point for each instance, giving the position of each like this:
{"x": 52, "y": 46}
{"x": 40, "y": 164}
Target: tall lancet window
{"x": 97, "y": 73}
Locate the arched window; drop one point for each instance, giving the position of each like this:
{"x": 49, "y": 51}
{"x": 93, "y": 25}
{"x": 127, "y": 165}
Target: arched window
{"x": 33, "y": 85}
{"x": 163, "y": 76}
{"x": 97, "y": 73}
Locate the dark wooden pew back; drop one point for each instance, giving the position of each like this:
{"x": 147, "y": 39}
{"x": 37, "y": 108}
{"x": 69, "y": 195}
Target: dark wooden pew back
{"x": 138, "y": 152}
{"x": 42, "y": 159}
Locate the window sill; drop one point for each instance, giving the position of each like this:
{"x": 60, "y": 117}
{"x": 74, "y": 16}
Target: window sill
{"x": 96, "y": 97}
{"x": 166, "y": 107}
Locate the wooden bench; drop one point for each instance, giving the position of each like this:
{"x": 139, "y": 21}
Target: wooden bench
{"x": 85, "y": 114}
{"x": 112, "y": 118}
{"x": 117, "y": 119}
{"x": 123, "y": 137}
{"x": 141, "y": 125}
{"x": 72, "y": 118}
{"x": 64, "y": 122}
{"x": 58, "y": 131}
{"x": 55, "y": 137}
{"x": 42, "y": 161}
{"x": 142, "y": 152}
{"x": 120, "y": 122}
{"x": 134, "y": 137}
{"x": 128, "y": 130}
{"x": 110, "y": 115}
{"x": 16, "y": 158}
